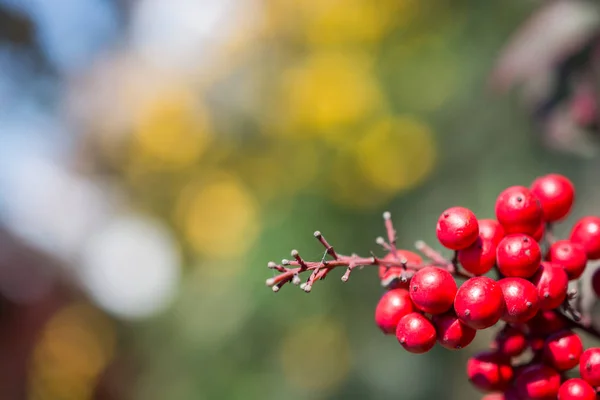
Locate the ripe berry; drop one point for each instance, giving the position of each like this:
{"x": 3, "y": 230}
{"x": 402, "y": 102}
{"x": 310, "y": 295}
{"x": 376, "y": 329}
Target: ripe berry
{"x": 521, "y": 299}
{"x": 391, "y": 277}
{"x": 479, "y": 257}
{"x": 537, "y": 343}
{"x": 457, "y": 228}
{"x": 545, "y": 323}
{"x": 562, "y": 350}
{"x": 491, "y": 229}
{"x": 392, "y": 306}
{"x": 586, "y": 231}
{"x": 518, "y": 255}
{"x": 509, "y": 342}
{"x": 479, "y": 302}
{"x": 432, "y": 290}
{"x": 538, "y": 382}
{"x": 488, "y": 372}
{"x": 518, "y": 210}
{"x": 451, "y": 332}
{"x": 596, "y": 282}
{"x": 556, "y": 194}
{"x": 571, "y": 256}
{"x": 416, "y": 333}
{"x": 576, "y": 389}
{"x": 589, "y": 366}
{"x": 552, "y": 284}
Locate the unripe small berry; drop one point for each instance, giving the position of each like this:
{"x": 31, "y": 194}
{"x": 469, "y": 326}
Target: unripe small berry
{"x": 518, "y": 256}
{"x": 509, "y": 342}
{"x": 392, "y": 306}
{"x": 596, "y": 282}
{"x": 562, "y": 350}
{"x": 521, "y": 299}
{"x": 416, "y": 333}
{"x": 545, "y": 323}
{"x": 589, "y": 366}
{"x": 571, "y": 256}
{"x": 390, "y": 277}
{"x": 576, "y": 389}
{"x": 586, "y": 232}
{"x": 538, "y": 382}
{"x": 432, "y": 290}
{"x": 492, "y": 230}
{"x": 552, "y": 284}
{"x": 518, "y": 210}
{"x": 556, "y": 194}
{"x": 488, "y": 372}
{"x": 479, "y": 302}
{"x": 451, "y": 332}
{"x": 478, "y": 258}
{"x": 457, "y": 228}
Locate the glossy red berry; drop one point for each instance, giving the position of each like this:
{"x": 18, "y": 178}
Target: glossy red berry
{"x": 518, "y": 210}
{"x": 432, "y": 290}
{"x": 521, "y": 299}
{"x": 538, "y": 382}
{"x": 457, "y": 228}
{"x": 576, "y": 389}
{"x": 478, "y": 258}
{"x": 586, "y": 232}
{"x": 479, "y": 302}
{"x": 589, "y": 366}
{"x": 451, "y": 332}
{"x": 562, "y": 350}
{"x": 509, "y": 342}
{"x": 391, "y": 277}
{"x": 488, "y": 372}
{"x": 556, "y": 194}
{"x": 571, "y": 256}
{"x": 416, "y": 333}
{"x": 545, "y": 323}
{"x": 392, "y": 306}
{"x": 518, "y": 255}
{"x": 596, "y": 282}
{"x": 492, "y": 230}
{"x": 552, "y": 284}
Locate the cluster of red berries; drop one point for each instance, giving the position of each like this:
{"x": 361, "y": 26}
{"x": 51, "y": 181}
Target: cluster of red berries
{"x": 536, "y": 346}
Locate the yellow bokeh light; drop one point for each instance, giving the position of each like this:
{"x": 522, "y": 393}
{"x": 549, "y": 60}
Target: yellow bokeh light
{"x": 315, "y": 354}
{"x": 219, "y": 216}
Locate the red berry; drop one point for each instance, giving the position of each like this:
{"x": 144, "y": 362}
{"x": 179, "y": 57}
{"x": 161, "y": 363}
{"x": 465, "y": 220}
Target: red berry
{"x": 571, "y": 256}
{"x": 586, "y": 231}
{"x": 537, "y": 343}
{"x": 509, "y": 342}
{"x": 596, "y": 282}
{"x": 518, "y": 255}
{"x": 488, "y": 372}
{"x": 589, "y": 366}
{"x": 552, "y": 284}
{"x": 576, "y": 389}
{"x": 491, "y": 229}
{"x": 545, "y": 323}
{"x": 556, "y": 194}
{"x": 479, "y": 257}
{"x": 391, "y": 277}
{"x": 457, "y": 228}
{"x": 521, "y": 299}
{"x": 479, "y": 302}
{"x": 518, "y": 210}
{"x": 416, "y": 333}
{"x": 538, "y": 382}
{"x": 562, "y": 350}
{"x": 392, "y": 306}
{"x": 432, "y": 290}
{"x": 452, "y": 333}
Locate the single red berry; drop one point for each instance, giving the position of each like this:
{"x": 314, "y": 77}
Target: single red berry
{"x": 571, "y": 256}
{"x": 576, "y": 389}
{"x": 552, "y": 284}
{"x": 509, "y": 342}
{"x": 518, "y": 210}
{"x": 545, "y": 323}
{"x": 521, "y": 299}
{"x": 457, "y": 228}
{"x": 488, "y": 372}
{"x": 518, "y": 256}
{"x": 451, "y": 332}
{"x": 538, "y": 382}
{"x": 538, "y": 235}
{"x": 432, "y": 290}
{"x": 586, "y": 232}
{"x": 589, "y": 366}
{"x": 556, "y": 194}
{"x": 479, "y": 302}
{"x": 392, "y": 306}
{"x": 562, "y": 350}
{"x": 416, "y": 333}
{"x": 536, "y": 343}
{"x": 479, "y": 257}
{"x": 596, "y": 282}
{"x": 391, "y": 277}
{"x": 492, "y": 230}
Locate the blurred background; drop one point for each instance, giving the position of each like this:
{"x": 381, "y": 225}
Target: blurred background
{"x": 156, "y": 154}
